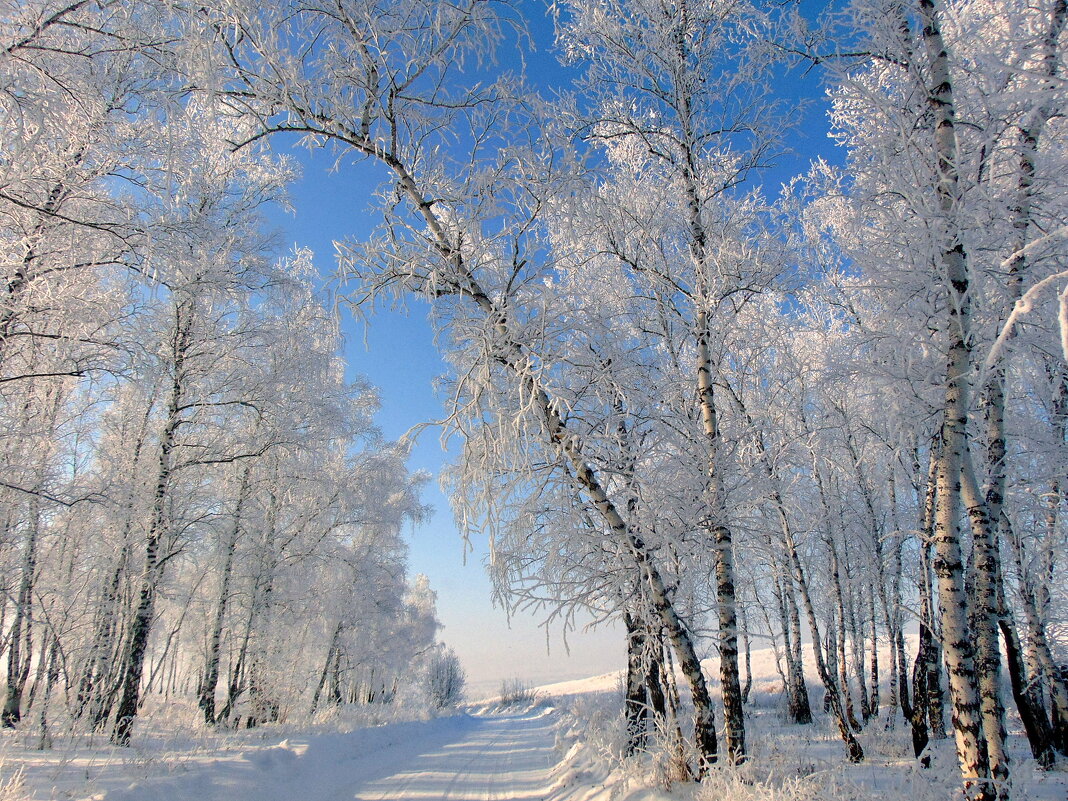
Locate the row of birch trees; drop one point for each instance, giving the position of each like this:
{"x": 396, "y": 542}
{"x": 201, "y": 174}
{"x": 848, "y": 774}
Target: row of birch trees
{"x": 194, "y": 501}
{"x": 825, "y": 417}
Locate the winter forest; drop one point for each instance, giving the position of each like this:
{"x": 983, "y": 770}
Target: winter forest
{"x": 820, "y": 418}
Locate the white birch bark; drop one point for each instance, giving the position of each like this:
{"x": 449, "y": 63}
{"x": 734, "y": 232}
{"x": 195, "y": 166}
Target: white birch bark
{"x": 1030, "y": 135}
{"x": 948, "y": 565}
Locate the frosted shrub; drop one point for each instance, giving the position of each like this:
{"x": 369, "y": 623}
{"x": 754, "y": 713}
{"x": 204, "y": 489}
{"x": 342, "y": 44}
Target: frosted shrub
{"x": 738, "y": 785}
{"x": 516, "y": 692}
{"x": 445, "y": 679}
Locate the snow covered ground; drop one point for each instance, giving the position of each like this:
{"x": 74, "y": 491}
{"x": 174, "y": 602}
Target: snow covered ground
{"x": 476, "y": 755}
{"x": 462, "y": 756}
{"x": 562, "y": 747}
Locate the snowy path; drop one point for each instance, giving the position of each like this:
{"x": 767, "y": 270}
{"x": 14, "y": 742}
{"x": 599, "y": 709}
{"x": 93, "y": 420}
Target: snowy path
{"x": 498, "y": 757}
{"x": 503, "y": 756}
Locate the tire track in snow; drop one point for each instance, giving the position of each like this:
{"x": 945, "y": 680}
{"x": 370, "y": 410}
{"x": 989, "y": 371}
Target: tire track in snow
{"x": 504, "y": 758}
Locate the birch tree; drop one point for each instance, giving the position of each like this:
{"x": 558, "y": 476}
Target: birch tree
{"x": 448, "y": 240}
{"x": 937, "y": 61}
{"x": 674, "y": 90}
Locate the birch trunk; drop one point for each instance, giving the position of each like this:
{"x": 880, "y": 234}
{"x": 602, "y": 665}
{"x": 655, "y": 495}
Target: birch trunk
{"x": 856, "y": 637}
{"x": 1030, "y": 136}
{"x": 779, "y": 592}
{"x": 948, "y": 565}
{"x": 1056, "y": 680}
{"x": 1041, "y": 668}
{"x": 985, "y": 617}
{"x": 854, "y": 752}
{"x": 895, "y": 619}
{"x": 141, "y": 624}
{"x": 1032, "y": 715}
{"x": 210, "y": 680}
{"x": 932, "y": 698}
{"x": 747, "y": 688}
{"x": 635, "y": 706}
{"x": 919, "y": 710}
{"x": 331, "y": 659}
{"x": 678, "y": 76}
{"x": 658, "y": 686}
{"x": 870, "y": 703}
{"x": 20, "y": 638}
{"x": 794, "y": 685}
{"x": 733, "y": 714}
{"x": 802, "y": 705}
{"x": 840, "y": 636}
{"x": 50, "y": 659}
{"x": 797, "y": 691}
{"x": 987, "y": 513}
{"x": 873, "y": 695}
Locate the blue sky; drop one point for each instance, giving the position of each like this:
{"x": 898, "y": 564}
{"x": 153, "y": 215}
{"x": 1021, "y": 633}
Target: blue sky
{"x": 337, "y": 205}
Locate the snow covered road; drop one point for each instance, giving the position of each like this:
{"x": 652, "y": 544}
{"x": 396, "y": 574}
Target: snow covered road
{"x": 499, "y": 756}
{"x": 506, "y": 756}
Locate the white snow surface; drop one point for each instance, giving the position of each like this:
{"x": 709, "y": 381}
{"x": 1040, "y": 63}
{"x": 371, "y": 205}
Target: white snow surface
{"x": 563, "y": 746}
{"x": 464, "y": 757}
{"x": 478, "y": 755}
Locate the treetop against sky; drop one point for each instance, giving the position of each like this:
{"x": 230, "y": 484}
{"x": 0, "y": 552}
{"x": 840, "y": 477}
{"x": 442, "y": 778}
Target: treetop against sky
{"x": 335, "y": 199}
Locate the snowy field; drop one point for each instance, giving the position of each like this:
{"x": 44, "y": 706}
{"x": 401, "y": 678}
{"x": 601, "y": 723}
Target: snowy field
{"x": 564, "y": 746}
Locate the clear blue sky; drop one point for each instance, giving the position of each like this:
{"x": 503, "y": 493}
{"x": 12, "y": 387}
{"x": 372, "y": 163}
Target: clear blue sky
{"x": 338, "y": 205}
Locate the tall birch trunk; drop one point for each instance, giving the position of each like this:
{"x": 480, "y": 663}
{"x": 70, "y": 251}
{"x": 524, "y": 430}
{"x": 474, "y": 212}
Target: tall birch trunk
{"x": 931, "y": 664}
{"x": 1056, "y": 679}
{"x": 840, "y": 636}
{"x": 779, "y": 593}
{"x": 895, "y": 617}
{"x": 948, "y": 564}
{"x": 331, "y": 658}
{"x": 1042, "y": 668}
{"x": 635, "y": 709}
{"x": 919, "y": 709}
{"x": 921, "y": 714}
{"x": 747, "y": 688}
{"x": 20, "y": 637}
{"x": 141, "y": 624}
{"x": 986, "y": 513}
{"x": 210, "y": 679}
{"x": 1030, "y": 135}
{"x": 854, "y": 751}
{"x": 733, "y": 714}
{"x": 1024, "y": 690}
{"x": 856, "y": 638}
{"x": 20, "y": 647}
{"x": 797, "y": 691}
{"x": 873, "y": 692}
{"x": 802, "y": 704}
{"x": 985, "y": 617}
